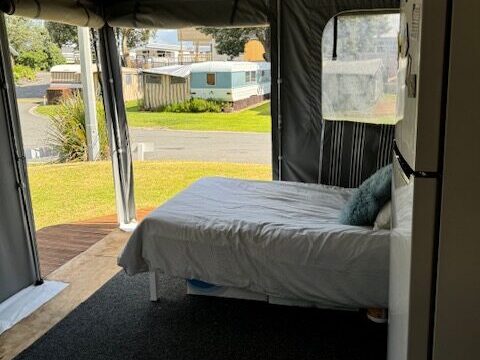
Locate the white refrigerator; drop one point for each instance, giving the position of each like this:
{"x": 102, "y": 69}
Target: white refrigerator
{"x": 423, "y": 74}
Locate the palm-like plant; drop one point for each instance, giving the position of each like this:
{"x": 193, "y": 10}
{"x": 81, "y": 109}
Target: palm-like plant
{"x": 67, "y": 134}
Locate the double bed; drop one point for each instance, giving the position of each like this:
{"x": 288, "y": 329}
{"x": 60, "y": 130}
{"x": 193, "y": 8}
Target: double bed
{"x": 264, "y": 240}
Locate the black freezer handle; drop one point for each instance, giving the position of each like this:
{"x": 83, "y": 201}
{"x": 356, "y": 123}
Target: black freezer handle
{"x": 407, "y": 171}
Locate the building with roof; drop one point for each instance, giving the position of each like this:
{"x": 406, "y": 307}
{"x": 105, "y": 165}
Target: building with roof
{"x": 166, "y": 85}
{"x": 65, "y": 80}
{"x": 239, "y": 83}
{"x": 156, "y": 55}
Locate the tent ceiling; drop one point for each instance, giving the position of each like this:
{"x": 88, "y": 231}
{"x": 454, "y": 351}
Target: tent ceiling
{"x": 143, "y": 13}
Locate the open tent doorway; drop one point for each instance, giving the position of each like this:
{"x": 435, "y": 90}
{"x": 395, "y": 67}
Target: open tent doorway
{"x": 338, "y": 140}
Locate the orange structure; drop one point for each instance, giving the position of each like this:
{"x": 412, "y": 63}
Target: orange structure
{"x": 254, "y": 51}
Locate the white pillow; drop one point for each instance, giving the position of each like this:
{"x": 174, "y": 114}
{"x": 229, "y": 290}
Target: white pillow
{"x": 384, "y": 218}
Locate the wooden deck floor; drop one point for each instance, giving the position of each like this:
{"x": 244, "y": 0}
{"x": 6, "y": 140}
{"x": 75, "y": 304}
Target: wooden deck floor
{"x": 60, "y": 243}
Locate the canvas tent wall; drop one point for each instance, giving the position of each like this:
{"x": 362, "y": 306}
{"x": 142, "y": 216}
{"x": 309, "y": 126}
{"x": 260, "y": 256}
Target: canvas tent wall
{"x": 18, "y": 261}
{"x": 297, "y": 27}
{"x": 165, "y": 85}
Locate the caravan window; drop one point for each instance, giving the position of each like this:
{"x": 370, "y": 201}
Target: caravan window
{"x": 211, "y": 79}
{"x": 250, "y": 76}
{"x": 359, "y": 81}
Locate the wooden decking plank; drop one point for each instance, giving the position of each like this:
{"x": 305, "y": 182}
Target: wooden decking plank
{"x": 58, "y": 244}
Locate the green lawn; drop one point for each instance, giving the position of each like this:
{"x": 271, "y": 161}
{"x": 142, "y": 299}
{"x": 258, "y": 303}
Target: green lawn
{"x": 256, "y": 119}
{"x": 72, "y": 192}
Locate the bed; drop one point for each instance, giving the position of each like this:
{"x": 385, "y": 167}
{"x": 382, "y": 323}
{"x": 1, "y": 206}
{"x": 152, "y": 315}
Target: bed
{"x": 263, "y": 240}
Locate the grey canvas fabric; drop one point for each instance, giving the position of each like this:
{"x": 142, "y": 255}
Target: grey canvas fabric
{"x": 299, "y": 44}
{"x": 351, "y": 152}
{"x": 18, "y": 263}
{"x": 282, "y": 239}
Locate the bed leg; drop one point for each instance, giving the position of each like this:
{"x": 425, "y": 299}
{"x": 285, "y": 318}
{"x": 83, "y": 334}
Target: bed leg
{"x": 153, "y": 286}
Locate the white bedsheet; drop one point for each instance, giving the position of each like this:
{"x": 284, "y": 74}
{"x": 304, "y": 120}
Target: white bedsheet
{"x": 278, "y": 238}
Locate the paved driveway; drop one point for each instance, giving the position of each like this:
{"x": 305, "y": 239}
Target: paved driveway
{"x": 34, "y": 127}
{"x": 34, "y": 89}
{"x": 205, "y": 145}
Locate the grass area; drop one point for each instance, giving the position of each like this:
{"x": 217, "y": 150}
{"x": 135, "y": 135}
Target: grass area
{"x": 255, "y": 119}
{"x": 64, "y": 193}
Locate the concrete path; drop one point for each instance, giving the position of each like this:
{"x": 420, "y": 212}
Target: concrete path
{"x": 35, "y": 89}
{"x": 205, "y": 145}
{"x": 34, "y": 127}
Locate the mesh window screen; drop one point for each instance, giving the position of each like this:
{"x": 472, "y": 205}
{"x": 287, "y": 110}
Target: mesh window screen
{"x": 359, "y": 68}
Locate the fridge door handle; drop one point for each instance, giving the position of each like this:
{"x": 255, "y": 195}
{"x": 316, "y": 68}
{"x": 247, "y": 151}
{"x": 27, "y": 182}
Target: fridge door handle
{"x": 406, "y": 170}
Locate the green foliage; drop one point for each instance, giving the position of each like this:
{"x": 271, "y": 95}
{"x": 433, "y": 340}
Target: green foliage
{"x": 131, "y": 38}
{"x": 22, "y": 72}
{"x": 231, "y": 41}
{"x": 62, "y": 34}
{"x": 33, "y": 44}
{"x": 68, "y": 135}
{"x": 33, "y": 59}
{"x": 195, "y": 106}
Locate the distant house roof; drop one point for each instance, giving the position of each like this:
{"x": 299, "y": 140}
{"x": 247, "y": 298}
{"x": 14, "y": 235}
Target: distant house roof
{"x": 229, "y": 66}
{"x": 208, "y": 66}
{"x": 360, "y": 67}
{"x": 75, "y": 68}
{"x": 182, "y": 71}
{"x": 172, "y": 47}
{"x": 69, "y": 68}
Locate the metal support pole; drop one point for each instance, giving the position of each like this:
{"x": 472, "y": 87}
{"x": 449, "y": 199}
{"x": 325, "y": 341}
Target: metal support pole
{"x": 10, "y": 116}
{"x": 117, "y": 127}
{"x": 88, "y": 92}
{"x": 279, "y": 88}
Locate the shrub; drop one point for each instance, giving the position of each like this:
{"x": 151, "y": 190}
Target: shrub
{"x": 33, "y": 59}
{"x": 67, "y": 133}
{"x": 41, "y": 59}
{"x": 22, "y": 72}
{"x": 195, "y": 106}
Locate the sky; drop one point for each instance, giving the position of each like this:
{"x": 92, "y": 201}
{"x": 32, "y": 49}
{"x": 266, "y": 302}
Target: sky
{"x": 166, "y": 37}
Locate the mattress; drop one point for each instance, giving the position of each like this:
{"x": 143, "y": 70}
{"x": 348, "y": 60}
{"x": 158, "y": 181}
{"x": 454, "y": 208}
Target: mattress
{"x": 282, "y": 239}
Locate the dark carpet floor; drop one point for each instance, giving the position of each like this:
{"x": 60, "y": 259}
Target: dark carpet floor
{"x": 119, "y": 322}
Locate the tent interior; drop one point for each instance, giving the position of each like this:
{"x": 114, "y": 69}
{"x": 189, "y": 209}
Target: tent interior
{"x": 278, "y": 242}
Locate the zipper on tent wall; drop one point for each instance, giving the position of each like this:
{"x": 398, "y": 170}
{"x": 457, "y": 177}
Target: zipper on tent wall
{"x": 279, "y": 89}
{"x": 335, "y": 38}
{"x": 16, "y": 149}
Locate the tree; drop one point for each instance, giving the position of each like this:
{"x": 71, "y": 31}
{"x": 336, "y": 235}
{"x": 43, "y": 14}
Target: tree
{"x": 130, "y": 38}
{"x": 33, "y": 43}
{"x": 231, "y": 41}
{"x": 62, "y": 34}
{"x": 356, "y": 35}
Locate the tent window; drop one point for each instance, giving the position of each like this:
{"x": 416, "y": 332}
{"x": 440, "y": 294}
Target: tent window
{"x": 153, "y": 79}
{"x": 177, "y": 80}
{"x": 211, "y": 79}
{"x": 359, "y": 81}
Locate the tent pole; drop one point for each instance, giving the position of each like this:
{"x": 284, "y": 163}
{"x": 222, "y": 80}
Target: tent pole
{"x": 279, "y": 88}
{"x": 9, "y": 99}
{"x": 116, "y": 117}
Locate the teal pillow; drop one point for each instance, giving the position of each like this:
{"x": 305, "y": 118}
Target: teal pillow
{"x": 368, "y": 199}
